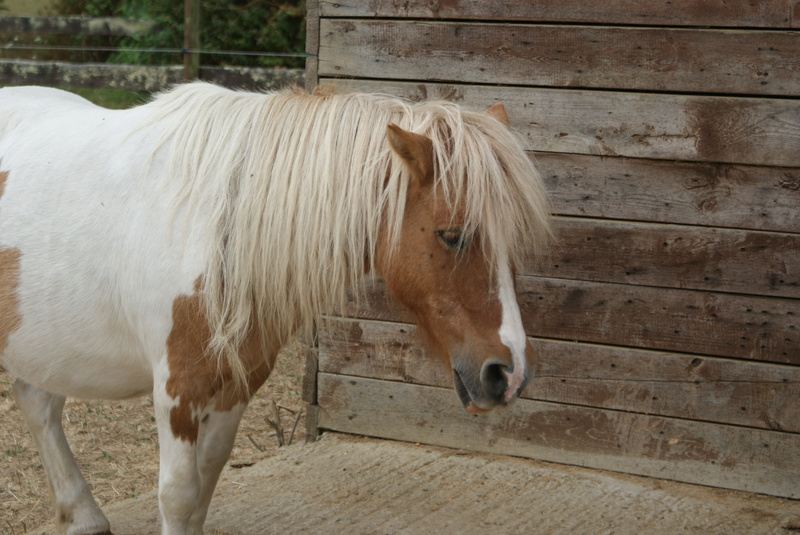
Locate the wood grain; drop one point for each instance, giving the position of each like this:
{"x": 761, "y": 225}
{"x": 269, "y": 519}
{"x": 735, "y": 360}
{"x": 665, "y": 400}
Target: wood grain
{"x": 726, "y": 13}
{"x": 706, "y": 323}
{"x": 697, "y": 452}
{"x": 749, "y": 62}
{"x": 312, "y": 44}
{"x": 734, "y": 196}
{"x": 700, "y": 388}
{"x": 655, "y": 126}
{"x": 309, "y": 392}
{"x": 688, "y": 321}
{"x": 665, "y": 319}
{"x": 673, "y": 256}
{"x": 312, "y": 26}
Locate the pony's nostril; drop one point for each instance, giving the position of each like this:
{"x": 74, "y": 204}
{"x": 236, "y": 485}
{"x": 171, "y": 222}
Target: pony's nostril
{"x": 494, "y": 381}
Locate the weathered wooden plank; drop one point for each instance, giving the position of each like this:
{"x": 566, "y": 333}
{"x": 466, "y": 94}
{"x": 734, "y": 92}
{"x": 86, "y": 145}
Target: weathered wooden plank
{"x": 312, "y": 423}
{"x": 748, "y": 62}
{"x": 312, "y": 43}
{"x": 689, "y": 321}
{"x": 672, "y": 127}
{"x": 794, "y": 13}
{"x": 75, "y": 25}
{"x": 757, "y": 328}
{"x": 309, "y": 392}
{"x": 312, "y": 26}
{"x": 760, "y": 198}
{"x": 311, "y": 77}
{"x": 137, "y": 77}
{"x": 673, "y": 256}
{"x": 730, "y": 13}
{"x": 711, "y": 454}
{"x": 703, "y": 388}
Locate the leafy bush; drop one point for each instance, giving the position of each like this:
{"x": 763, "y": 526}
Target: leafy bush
{"x": 55, "y": 42}
{"x": 239, "y": 25}
{"x": 88, "y": 8}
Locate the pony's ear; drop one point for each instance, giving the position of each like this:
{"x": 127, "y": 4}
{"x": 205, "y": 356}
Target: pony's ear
{"x": 415, "y": 150}
{"x": 498, "y": 111}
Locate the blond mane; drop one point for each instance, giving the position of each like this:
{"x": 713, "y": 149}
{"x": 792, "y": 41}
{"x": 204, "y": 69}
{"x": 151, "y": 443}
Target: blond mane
{"x": 294, "y": 188}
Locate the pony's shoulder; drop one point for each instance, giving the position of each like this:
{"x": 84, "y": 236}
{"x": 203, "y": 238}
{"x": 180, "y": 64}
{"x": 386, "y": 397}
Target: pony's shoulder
{"x": 51, "y": 110}
{"x": 35, "y": 93}
{"x": 18, "y": 103}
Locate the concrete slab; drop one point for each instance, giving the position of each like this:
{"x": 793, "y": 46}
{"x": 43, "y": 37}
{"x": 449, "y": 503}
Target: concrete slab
{"x": 353, "y": 485}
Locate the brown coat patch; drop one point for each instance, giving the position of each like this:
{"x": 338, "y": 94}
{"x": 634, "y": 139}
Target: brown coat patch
{"x": 9, "y": 280}
{"x": 195, "y": 377}
{"x": 9, "y": 302}
{"x": 450, "y": 293}
{"x": 3, "y": 177}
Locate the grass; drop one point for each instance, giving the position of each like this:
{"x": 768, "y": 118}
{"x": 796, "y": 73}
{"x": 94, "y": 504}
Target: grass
{"x": 112, "y": 98}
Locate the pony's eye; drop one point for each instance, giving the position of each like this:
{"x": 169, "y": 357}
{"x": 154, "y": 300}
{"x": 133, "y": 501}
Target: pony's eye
{"x": 452, "y": 239}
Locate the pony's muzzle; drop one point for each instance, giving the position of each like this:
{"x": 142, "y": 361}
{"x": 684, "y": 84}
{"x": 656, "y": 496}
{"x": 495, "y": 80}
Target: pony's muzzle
{"x": 493, "y": 379}
{"x": 496, "y": 385}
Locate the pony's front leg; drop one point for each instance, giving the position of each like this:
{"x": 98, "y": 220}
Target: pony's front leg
{"x": 217, "y": 434}
{"x": 178, "y": 476}
{"x": 76, "y": 511}
{"x": 194, "y": 446}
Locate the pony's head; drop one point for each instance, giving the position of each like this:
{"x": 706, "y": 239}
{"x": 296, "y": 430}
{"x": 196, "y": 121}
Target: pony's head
{"x": 294, "y": 190}
{"x": 473, "y": 205}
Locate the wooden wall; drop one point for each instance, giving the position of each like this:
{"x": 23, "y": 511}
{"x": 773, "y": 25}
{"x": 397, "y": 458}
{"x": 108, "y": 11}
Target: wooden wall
{"x": 667, "y": 316}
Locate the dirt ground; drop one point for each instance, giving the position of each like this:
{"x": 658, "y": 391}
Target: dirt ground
{"x": 116, "y": 447}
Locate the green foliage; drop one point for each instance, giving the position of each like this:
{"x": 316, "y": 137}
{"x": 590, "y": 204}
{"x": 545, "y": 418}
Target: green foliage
{"x": 66, "y": 7}
{"x": 112, "y": 98}
{"x": 239, "y": 25}
{"x": 89, "y": 8}
{"x": 168, "y": 33}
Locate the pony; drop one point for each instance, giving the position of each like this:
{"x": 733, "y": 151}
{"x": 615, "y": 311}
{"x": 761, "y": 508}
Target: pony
{"x": 173, "y": 248}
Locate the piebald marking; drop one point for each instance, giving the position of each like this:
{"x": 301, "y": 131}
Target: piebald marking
{"x": 512, "y": 333}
